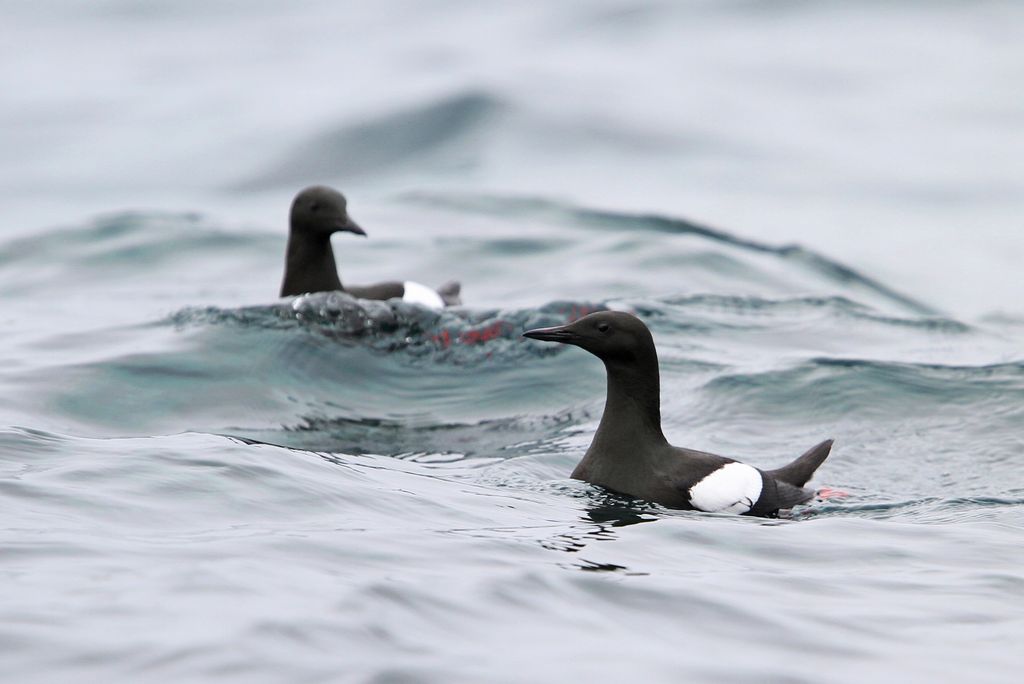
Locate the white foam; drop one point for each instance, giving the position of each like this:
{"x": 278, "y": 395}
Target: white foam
{"x": 417, "y": 293}
{"x": 733, "y": 488}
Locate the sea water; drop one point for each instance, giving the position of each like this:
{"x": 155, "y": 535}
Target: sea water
{"x": 815, "y": 206}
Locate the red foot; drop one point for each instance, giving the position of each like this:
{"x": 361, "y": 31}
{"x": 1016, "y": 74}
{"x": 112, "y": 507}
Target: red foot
{"x": 830, "y": 493}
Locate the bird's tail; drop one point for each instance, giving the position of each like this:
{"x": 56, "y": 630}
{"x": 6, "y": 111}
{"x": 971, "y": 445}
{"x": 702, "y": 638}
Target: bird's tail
{"x": 450, "y": 293}
{"x": 800, "y": 471}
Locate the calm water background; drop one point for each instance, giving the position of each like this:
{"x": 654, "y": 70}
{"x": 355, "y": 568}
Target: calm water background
{"x": 200, "y": 483}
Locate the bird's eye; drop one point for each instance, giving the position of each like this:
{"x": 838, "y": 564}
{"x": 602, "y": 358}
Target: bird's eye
{"x": 314, "y": 206}
{"x": 603, "y": 327}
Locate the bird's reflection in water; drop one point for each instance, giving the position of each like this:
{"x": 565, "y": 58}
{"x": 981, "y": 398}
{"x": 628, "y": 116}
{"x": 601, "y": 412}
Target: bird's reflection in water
{"x": 604, "y": 513}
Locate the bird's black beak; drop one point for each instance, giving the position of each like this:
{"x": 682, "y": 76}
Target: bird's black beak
{"x": 559, "y": 333}
{"x": 351, "y": 226}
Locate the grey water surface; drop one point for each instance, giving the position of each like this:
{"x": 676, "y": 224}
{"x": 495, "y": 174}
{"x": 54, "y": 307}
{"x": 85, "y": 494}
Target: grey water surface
{"x": 815, "y": 206}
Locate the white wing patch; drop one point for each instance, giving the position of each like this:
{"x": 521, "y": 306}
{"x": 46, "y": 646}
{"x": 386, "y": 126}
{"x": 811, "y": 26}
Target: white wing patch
{"x": 416, "y": 293}
{"x": 733, "y": 488}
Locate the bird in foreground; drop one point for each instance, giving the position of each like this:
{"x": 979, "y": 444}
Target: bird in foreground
{"x": 629, "y": 453}
{"x": 317, "y": 213}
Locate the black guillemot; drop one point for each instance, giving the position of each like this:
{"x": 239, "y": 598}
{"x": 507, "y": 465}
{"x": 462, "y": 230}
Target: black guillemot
{"x": 317, "y": 213}
{"x": 629, "y": 453}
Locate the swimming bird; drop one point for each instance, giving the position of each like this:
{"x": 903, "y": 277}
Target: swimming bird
{"x": 629, "y": 453}
{"x": 317, "y": 213}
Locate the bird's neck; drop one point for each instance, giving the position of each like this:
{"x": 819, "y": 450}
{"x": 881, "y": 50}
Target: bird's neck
{"x": 309, "y": 265}
{"x": 631, "y": 423}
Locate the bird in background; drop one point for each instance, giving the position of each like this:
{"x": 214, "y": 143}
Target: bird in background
{"x": 317, "y": 213}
